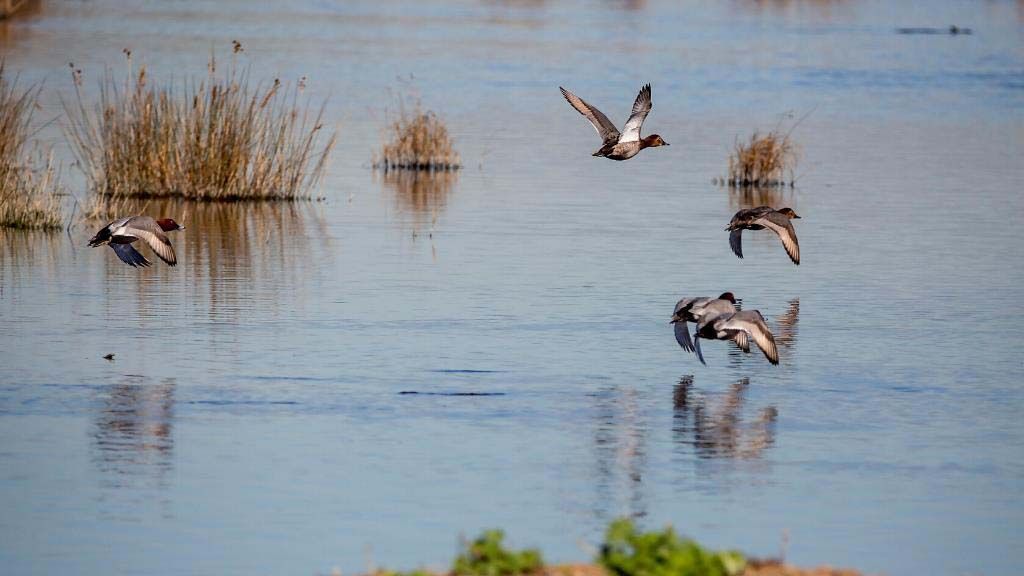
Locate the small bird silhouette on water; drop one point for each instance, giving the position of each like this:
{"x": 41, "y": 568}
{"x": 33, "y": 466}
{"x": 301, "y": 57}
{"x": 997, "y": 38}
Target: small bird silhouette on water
{"x": 120, "y": 234}
{"x": 619, "y": 145}
{"x": 109, "y": 357}
{"x": 762, "y": 217}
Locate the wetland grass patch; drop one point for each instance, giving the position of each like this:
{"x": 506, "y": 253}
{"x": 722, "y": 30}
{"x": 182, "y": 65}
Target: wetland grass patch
{"x": 29, "y": 179}
{"x": 766, "y": 159}
{"x": 221, "y": 138}
{"x": 417, "y": 140}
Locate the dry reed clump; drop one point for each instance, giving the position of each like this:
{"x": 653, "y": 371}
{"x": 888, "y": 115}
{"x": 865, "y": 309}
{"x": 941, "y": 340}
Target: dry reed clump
{"x": 221, "y": 138}
{"x": 418, "y": 141}
{"x": 764, "y": 161}
{"x": 29, "y": 179}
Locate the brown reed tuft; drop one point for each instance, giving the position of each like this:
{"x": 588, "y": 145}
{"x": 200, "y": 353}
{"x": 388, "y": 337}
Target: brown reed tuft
{"x": 29, "y": 179}
{"x": 417, "y": 140}
{"x": 763, "y": 161}
{"x": 766, "y": 160}
{"x": 220, "y": 138}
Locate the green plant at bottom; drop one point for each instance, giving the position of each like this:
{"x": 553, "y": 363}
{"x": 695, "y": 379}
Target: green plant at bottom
{"x": 485, "y": 556}
{"x": 628, "y": 552}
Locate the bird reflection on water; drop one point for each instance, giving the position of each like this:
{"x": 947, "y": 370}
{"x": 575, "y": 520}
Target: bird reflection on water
{"x": 784, "y": 328}
{"x": 133, "y": 433}
{"x": 715, "y": 427}
{"x": 620, "y": 450}
{"x": 785, "y": 325}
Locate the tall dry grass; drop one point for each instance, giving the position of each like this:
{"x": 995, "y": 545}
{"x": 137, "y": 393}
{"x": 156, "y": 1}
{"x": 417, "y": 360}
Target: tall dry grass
{"x": 765, "y": 160}
{"x": 417, "y": 140}
{"x": 29, "y": 179}
{"x": 219, "y": 138}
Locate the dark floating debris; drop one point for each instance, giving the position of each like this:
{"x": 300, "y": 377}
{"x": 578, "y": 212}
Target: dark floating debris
{"x": 109, "y": 357}
{"x": 952, "y": 30}
{"x": 418, "y": 393}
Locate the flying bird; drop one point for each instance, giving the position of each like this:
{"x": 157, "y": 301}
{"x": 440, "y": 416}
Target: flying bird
{"x": 694, "y": 309}
{"x": 740, "y": 327}
{"x": 619, "y": 145}
{"x": 120, "y": 234}
{"x": 762, "y": 217}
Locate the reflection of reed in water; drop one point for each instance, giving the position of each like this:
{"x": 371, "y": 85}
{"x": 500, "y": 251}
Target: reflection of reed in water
{"x": 619, "y": 444}
{"x": 133, "y": 432}
{"x": 422, "y": 193}
{"x": 20, "y": 9}
{"x": 21, "y": 250}
{"x": 228, "y": 250}
{"x": 742, "y": 197}
{"x": 717, "y": 430}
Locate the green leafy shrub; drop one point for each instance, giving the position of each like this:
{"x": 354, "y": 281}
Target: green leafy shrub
{"x": 485, "y": 556}
{"x": 628, "y": 552}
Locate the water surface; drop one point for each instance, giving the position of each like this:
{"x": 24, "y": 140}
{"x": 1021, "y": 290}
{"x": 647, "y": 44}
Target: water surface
{"x": 256, "y": 415}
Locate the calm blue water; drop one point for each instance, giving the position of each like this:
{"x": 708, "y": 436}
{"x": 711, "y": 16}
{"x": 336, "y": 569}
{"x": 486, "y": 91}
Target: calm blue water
{"x": 252, "y": 419}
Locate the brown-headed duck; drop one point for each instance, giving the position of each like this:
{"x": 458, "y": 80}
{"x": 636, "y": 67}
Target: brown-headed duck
{"x": 120, "y": 234}
{"x": 762, "y": 217}
{"x": 619, "y": 145}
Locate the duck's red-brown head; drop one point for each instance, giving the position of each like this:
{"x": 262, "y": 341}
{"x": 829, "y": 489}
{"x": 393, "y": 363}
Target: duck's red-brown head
{"x": 169, "y": 225}
{"x": 652, "y": 141}
{"x": 727, "y": 296}
{"x": 788, "y": 212}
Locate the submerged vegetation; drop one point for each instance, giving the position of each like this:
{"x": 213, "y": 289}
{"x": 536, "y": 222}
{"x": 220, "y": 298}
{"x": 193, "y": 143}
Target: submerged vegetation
{"x": 29, "y": 179}
{"x": 417, "y": 140}
{"x": 220, "y": 138}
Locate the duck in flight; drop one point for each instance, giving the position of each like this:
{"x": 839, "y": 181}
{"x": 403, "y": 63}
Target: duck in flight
{"x": 762, "y": 217}
{"x": 718, "y": 319}
{"x": 121, "y": 233}
{"x": 740, "y": 327}
{"x": 619, "y": 145}
{"x": 694, "y": 309}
